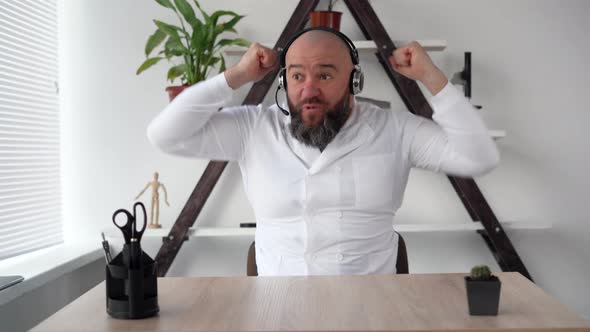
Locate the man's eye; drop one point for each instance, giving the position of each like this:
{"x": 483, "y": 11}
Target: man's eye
{"x": 325, "y": 76}
{"x": 296, "y": 77}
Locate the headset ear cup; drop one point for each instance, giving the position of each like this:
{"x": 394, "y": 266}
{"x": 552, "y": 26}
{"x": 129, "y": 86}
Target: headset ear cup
{"x": 361, "y": 81}
{"x": 357, "y": 81}
{"x": 283, "y": 79}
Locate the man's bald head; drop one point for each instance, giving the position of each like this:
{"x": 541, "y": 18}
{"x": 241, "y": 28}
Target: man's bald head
{"x": 321, "y": 41}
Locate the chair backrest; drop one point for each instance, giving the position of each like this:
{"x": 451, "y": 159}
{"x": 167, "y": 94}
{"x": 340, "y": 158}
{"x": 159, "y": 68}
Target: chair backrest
{"x": 251, "y": 269}
{"x": 402, "y": 257}
{"x": 401, "y": 265}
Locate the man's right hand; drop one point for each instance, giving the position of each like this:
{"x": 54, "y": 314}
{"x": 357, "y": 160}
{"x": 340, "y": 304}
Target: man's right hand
{"x": 254, "y": 65}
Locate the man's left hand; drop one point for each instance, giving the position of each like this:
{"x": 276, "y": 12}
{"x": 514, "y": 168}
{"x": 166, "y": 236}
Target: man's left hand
{"x": 413, "y": 62}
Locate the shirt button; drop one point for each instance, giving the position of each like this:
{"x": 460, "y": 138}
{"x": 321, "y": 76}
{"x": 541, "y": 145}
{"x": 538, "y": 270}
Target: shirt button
{"x": 340, "y": 214}
{"x": 314, "y": 257}
{"x": 340, "y": 257}
{"x": 338, "y": 169}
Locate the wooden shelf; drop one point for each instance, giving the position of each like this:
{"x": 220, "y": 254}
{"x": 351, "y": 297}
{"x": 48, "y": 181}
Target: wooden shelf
{"x": 363, "y": 46}
{"x": 205, "y": 231}
{"x": 403, "y": 228}
{"x": 429, "y": 45}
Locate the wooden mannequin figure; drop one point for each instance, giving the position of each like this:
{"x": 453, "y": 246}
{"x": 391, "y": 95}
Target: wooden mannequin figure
{"x": 156, "y": 185}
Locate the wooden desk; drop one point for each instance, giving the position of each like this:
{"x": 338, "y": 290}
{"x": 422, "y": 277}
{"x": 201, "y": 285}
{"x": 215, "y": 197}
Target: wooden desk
{"x": 415, "y": 302}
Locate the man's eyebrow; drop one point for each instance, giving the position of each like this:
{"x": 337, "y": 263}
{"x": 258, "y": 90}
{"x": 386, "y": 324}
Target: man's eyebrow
{"x": 295, "y": 66}
{"x": 331, "y": 66}
{"x": 328, "y": 66}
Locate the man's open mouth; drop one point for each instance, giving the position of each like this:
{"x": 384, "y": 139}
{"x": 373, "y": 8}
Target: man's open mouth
{"x": 312, "y": 107}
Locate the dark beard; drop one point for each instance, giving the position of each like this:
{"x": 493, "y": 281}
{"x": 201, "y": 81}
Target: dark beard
{"x": 320, "y": 135}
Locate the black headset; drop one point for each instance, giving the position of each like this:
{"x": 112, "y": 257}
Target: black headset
{"x": 356, "y": 80}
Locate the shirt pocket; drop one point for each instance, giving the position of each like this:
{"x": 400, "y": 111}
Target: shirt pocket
{"x": 374, "y": 178}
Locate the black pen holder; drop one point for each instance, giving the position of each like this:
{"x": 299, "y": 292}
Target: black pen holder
{"x": 132, "y": 291}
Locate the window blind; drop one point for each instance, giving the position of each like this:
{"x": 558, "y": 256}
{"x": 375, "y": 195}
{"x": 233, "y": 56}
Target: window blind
{"x": 30, "y": 193}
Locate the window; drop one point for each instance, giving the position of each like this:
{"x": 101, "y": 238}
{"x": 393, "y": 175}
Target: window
{"x": 30, "y": 193}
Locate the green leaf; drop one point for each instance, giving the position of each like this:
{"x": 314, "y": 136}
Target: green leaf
{"x": 227, "y": 26}
{"x": 169, "y": 29}
{"x": 186, "y": 10}
{"x": 148, "y": 63}
{"x": 156, "y": 39}
{"x": 231, "y": 23}
{"x": 237, "y": 42}
{"x": 205, "y": 15}
{"x": 176, "y": 71}
{"x": 175, "y": 47}
{"x": 221, "y": 13}
{"x": 222, "y": 66}
{"x": 199, "y": 38}
{"x": 212, "y": 61}
{"x": 219, "y": 29}
{"x": 166, "y": 3}
{"x": 196, "y": 24}
{"x": 196, "y": 39}
{"x": 211, "y": 36}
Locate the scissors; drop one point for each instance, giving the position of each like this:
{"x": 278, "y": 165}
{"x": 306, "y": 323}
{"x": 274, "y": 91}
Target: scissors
{"x": 129, "y": 229}
{"x": 131, "y": 234}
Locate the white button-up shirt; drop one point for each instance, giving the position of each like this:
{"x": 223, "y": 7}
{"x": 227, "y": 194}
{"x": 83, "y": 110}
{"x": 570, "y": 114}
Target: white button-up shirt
{"x": 328, "y": 212}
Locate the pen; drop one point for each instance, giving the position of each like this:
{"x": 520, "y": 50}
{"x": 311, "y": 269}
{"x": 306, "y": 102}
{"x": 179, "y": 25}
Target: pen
{"x": 107, "y": 249}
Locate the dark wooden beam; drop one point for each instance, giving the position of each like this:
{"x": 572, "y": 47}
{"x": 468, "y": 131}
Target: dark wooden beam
{"x": 494, "y": 235}
{"x": 193, "y": 207}
{"x": 179, "y": 231}
{"x": 468, "y": 191}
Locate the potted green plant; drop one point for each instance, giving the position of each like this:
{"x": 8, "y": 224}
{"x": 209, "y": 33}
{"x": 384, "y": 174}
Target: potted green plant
{"x": 483, "y": 291}
{"x": 329, "y": 18}
{"x": 195, "y": 42}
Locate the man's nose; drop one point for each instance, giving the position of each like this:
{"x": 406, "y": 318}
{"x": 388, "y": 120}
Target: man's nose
{"x": 309, "y": 90}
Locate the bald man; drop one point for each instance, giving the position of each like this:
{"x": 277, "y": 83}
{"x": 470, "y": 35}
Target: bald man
{"x": 325, "y": 181}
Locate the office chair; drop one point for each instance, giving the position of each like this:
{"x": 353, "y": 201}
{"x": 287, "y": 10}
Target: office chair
{"x": 401, "y": 265}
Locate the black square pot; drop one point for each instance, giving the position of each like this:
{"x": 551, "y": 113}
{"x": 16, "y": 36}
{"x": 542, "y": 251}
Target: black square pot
{"x": 483, "y": 296}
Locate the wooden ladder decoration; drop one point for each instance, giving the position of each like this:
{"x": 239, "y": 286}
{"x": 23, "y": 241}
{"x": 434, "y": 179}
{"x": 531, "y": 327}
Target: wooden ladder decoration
{"x": 471, "y": 197}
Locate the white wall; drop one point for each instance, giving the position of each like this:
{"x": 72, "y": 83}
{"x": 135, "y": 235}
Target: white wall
{"x": 530, "y": 70}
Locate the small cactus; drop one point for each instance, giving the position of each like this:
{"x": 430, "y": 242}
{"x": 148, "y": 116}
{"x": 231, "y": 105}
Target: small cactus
{"x": 481, "y": 272}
